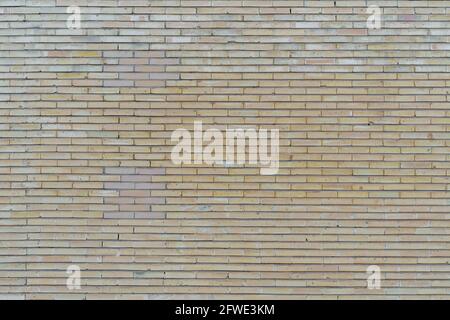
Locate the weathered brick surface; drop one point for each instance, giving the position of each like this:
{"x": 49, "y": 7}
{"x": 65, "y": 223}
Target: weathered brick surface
{"x": 86, "y": 177}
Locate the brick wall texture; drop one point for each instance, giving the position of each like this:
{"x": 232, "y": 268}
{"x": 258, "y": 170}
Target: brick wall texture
{"x": 86, "y": 177}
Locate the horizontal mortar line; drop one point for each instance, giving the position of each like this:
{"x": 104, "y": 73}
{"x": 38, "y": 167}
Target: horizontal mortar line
{"x": 229, "y": 42}
{"x": 417, "y": 28}
{"x": 338, "y": 123}
{"x": 238, "y": 263}
{"x": 317, "y": 205}
{"x": 246, "y": 264}
{"x": 253, "y": 167}
{"x": 236, "y": 204}
{"x": 322, "y": 82}
{"x": 343, "y": 272}
{"x": 303, "y": 293}
{"x": 212, "y": 95}
{"x": 276, "y": 248}
{"x": 257, "y": 241}
{"x": 225, "y": 218}
{"x": 230, "y": 197}
{"x": 160, "y": 222}
{"x": 162, "y": 226}
{"x": 211, "y": 120}
{"x": 179, "y": 224}
{"x": 217, "y": 254}
{"x": 279, "y": 7}
{"x": 234, "y": 264}
{"x": 234, "y": 126}
{"x": 212, "y": 255}
{"x": 226, "y": 196}
{"x": 224, "y": 255}
{"x": 226, "y": 40}
{"x": 335, "y": 296}
{"x": 231, "y": 279}
{"x": 341, "y": 121}
{"x": 413, "y": 28}
{"x": 182, "y": 55}
{"x": 354, "y": 21}
{"x": 211, "y": 25}
{"x": 234, "y": 65}
{"x": 246, "y": 234}
{"x": 228, "y": 175}
{"x": 216, "y": 248}
{"x": 192, "y": 285}
{"x": 234, "y": 72}
{"x": 211, "y": 108}
{"x": 257, "y": 167}
{"x": 287, "y": 234}
{"x": 221, "y": 256}
{"x": 214, "y": 120}
{"x": 143, "y": 283}
{"x": 26, "y": 78}
{"x": 253, "y": 87}
{"x": 243, "y": 49}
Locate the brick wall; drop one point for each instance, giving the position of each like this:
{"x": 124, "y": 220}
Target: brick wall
{"x": 86, "y": 177}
